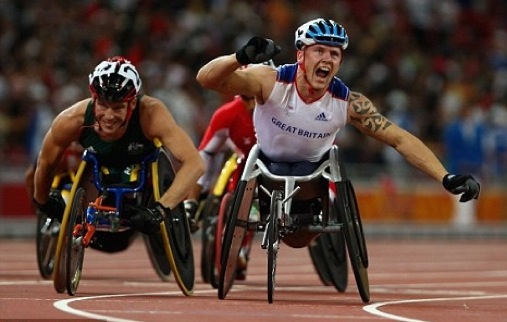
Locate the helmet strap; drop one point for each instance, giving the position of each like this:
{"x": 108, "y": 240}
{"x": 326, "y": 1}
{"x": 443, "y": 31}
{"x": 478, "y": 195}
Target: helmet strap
{"x": 129, "y": 113}
{"x": 301, "y": 64}
{"x": 97, "y": 123}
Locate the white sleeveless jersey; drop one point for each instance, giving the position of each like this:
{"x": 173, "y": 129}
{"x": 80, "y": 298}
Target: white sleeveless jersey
{"x": 290, "y": 130}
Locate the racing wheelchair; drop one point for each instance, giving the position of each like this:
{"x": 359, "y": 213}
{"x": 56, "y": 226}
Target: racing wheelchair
{"x": 326, "y": 248}
{"x": 94, "y": 210}
{"x": 334, "y": 214}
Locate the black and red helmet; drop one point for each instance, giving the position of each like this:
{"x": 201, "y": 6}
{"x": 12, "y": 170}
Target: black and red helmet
{"x": 115, "y": 80}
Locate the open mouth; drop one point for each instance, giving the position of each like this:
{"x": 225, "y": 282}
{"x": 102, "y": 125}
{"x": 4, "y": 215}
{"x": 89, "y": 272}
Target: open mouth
{"x": 322, "y": 72}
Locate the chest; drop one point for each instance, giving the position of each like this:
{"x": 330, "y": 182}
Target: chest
{"x": 325, "y": 114}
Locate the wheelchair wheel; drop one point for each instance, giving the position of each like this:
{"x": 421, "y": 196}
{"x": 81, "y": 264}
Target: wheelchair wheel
{"x": 60, "y": 270}
{"x": 175, "y": 230}
{"x": 234, "y": 232}
{"x": 353, "y": 240}
{"x": 158, "y": 257}
{"x": 220, "y": 221}
{"x": 74, "y": 247}
{"x": 334, "y": 254}
{"x": 46, "y": 240}
{"x": 273, "y": 240}
{"x": 209, "y": 221}
{"x": 60, "y": 265}
{"x": 358, "y": 226}
{"x": 319, "y": 262}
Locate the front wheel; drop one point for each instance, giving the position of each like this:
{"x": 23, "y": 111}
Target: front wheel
{"x": 158, "y": 257}
{"x": 234, "y": 233}
{"x": 358, "y": 225}
{"x": 177, "y": 232}
{"x": 46, "y": 240}
{"x": 273, "y": 240}
{"x": 174, "y": 230}
{"x": 74, "y": 241}
{"x": 352, "y": 239}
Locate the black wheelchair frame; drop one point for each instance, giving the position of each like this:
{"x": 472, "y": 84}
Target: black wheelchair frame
{"x": 340, "y": 221}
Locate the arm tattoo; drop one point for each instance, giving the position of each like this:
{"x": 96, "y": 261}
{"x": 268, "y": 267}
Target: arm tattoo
{"x": 369, "y": 116}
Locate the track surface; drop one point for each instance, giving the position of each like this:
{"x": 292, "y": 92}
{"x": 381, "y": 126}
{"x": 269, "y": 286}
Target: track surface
{"x": 410, "y": 280}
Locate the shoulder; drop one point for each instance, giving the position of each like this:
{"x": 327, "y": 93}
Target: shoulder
{"x": 154, "y": 116}
{"x": 74, "y": 114}
{"x": 287, "y": 73}
{"x": 151, "y": 107}
{"x": 68, "y": 124}
{"x": 146, "y": 101}
{"x": 338, "y": 89}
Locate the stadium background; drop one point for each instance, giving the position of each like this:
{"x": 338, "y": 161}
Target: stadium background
{"x": 425, "y": 63}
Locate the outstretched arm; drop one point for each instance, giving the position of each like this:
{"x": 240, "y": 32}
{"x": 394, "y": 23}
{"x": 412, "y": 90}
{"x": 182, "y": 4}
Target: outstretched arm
{"x": 365, "y": 117}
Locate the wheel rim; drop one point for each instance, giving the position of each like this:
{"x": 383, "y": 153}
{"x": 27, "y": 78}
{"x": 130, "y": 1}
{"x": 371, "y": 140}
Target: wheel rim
{"x": 233, "y": 237}
{"x": 47, "y": 238}
{"x": 210, "y": 214}
{"x": 273, "y": 242}
{"x": 74, "y": 243}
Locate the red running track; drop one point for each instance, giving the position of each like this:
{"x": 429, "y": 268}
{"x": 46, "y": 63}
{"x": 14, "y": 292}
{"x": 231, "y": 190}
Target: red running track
{"x": 410, "y": 280}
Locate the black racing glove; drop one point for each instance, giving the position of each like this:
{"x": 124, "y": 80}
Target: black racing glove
{"x": 465, "y": 185}
{"x": 54, "y": 207}
{"x": 257, "y": 50}
{"x": 146, "y": 220}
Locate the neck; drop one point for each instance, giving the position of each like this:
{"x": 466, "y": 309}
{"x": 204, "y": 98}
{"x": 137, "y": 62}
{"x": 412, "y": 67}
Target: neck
{"x": 305, "y": 89}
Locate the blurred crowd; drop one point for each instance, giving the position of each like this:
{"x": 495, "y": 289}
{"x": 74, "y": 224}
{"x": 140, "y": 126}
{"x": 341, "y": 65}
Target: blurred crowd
{"x": 436, "y": 67}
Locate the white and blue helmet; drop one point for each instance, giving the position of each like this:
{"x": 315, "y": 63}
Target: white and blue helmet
{"x": 321, "y": 31}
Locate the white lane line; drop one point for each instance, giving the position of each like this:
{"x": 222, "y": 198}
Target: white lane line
{"x": 63, "y": 305}
{"x": 46, "y": 282}
{"x": 373, "y": 308}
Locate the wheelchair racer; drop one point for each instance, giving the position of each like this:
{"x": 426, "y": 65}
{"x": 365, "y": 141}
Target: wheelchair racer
{"x": 120, "y": 125}
{"x": 300, "y": 107}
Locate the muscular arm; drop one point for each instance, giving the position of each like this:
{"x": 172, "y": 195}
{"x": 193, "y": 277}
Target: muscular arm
{"x": 365, "y": 117}
{"x": 157, "y": 122}
{"x": 64, "y": 130}
{"x": 222, "y": 74}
